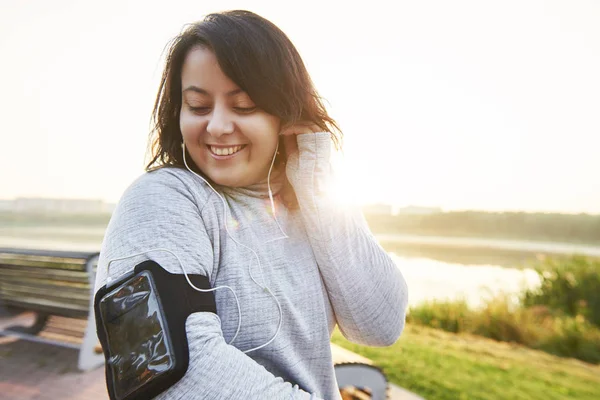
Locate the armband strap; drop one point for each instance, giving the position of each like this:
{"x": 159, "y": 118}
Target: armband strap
{"x": 140, "y": 321}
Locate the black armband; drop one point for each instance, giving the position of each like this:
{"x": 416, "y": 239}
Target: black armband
{"x": 140, "y": 321}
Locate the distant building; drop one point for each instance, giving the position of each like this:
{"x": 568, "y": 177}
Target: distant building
{"x": 377, "y": 209}
{"x": 415, "y": 210}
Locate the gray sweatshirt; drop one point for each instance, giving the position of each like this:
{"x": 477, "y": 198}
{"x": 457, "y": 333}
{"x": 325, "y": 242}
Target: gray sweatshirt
{"x": 329, "y": 270}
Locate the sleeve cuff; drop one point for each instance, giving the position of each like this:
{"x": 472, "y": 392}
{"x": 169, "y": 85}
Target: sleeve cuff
{"x": 316, "y": 144}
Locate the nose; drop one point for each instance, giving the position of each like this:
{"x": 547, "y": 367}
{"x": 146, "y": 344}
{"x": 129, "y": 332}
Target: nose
{"x": 220, "y": 122}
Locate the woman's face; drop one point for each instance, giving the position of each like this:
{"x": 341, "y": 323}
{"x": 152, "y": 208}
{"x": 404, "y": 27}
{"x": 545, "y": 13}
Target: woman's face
{"x": 228, "y": 138}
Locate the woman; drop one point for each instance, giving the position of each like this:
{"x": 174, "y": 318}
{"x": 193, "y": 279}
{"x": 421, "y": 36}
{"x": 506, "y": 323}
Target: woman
{"x": 236, "y": 188}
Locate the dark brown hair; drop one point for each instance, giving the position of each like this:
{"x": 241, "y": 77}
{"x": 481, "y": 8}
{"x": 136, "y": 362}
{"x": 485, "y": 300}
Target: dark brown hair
{"x": 258, "y": 57}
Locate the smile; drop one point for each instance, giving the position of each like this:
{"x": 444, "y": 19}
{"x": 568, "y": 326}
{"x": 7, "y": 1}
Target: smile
{"x": 225, "y": 151}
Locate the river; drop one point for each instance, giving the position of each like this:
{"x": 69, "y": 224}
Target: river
{"x": 434, "y": 267}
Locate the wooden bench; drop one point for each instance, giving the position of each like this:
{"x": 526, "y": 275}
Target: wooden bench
{"x": 57, "y": 286}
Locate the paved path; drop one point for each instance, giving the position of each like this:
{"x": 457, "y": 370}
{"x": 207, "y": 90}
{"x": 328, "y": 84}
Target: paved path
{"x": 38, "y": 371}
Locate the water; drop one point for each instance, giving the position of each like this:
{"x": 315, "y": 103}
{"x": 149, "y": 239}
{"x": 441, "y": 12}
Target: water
{"x": 434, "y": 267}
{"x": 429, "y": 279}
{"x": 495, "y": 244}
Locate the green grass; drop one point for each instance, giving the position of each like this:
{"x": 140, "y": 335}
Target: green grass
{"x": 444, "y": 366}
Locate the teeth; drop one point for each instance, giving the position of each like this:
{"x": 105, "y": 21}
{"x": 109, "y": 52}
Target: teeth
{"x": 225, "y": 151}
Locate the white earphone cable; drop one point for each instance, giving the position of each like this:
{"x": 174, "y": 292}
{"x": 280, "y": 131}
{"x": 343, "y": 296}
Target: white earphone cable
{"x": 264, "y": 287}
{"x": 109, "y": 281}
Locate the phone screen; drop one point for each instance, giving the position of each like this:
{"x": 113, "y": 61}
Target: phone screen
{"x": 139, "y": 345}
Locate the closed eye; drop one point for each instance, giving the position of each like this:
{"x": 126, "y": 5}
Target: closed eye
{"x": 244, "y": 110}
{"x": 200, "y": 110}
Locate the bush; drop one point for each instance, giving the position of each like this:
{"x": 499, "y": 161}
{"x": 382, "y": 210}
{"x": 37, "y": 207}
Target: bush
{"x": 570, "y": 286}
{"x": 573, "y": 337}
{"x": 499, "y": 320}
{"x": 448, "y": 316}
{"x": 535, "y": 327}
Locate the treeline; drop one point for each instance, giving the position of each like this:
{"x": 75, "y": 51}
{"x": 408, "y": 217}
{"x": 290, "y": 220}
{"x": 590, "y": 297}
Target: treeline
{"x": 570, "y": 228}
{"x": 8, "y": 218}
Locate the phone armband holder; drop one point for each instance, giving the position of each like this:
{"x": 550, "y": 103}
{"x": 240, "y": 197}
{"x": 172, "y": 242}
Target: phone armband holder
{"x": 140, "y": 322}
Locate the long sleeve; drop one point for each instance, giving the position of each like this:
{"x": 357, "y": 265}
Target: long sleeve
{"x": 367, "y": 290}
{"x": 159, "y": 212}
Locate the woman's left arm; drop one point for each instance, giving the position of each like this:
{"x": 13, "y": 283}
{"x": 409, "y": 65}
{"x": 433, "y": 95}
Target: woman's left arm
{"x": 367, "y": 290}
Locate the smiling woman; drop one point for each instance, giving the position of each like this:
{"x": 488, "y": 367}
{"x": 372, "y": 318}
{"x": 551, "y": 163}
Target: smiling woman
{"x": 229, "y": 139}
{"x": 240, "y": 134}
{"x": 262, "y": 85}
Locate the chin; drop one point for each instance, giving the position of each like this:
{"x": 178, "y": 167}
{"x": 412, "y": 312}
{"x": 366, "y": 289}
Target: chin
{"x": 228, "y": 181}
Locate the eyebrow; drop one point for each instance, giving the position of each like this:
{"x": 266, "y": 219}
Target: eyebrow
{"x": 196, "y": 89}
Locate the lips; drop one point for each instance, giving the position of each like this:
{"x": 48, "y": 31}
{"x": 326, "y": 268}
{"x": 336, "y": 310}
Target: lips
{"x": 225, "y": 150}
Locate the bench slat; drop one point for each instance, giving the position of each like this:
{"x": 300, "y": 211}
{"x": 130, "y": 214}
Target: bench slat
{"x": 84, "y": 255}
{"x": 20, "y": 272}
{"x": 43, "y": 262}
{"x": 19, "y": 291}
{"x": 50, "y": 307}
{"x": 45, "y": 283}
{"x": 64, "y": 330}
{"x": 61, "y": 337}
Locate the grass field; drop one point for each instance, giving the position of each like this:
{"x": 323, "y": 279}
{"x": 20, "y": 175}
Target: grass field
{"x": 443, "y": 366}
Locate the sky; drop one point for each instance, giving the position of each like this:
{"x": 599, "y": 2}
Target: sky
{"x": 485, "y": 105}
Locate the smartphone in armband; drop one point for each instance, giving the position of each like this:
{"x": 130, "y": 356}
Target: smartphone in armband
{"x": 141, "y": 325}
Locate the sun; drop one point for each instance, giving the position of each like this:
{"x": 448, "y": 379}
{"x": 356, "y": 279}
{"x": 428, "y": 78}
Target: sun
{"x": 345, "y": 188}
